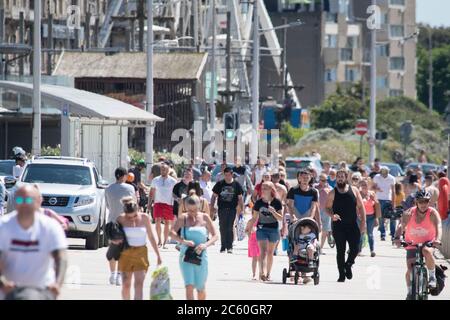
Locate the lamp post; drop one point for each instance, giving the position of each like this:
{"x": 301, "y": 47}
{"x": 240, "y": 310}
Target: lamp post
{"x": 255, "y": 85}
{"x": 150, "y": 129}
{"x": 36, "y": 140}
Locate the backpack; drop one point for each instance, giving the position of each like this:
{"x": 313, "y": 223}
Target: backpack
{"x": 114, "y": 231}
{"x": 440, "y": 280}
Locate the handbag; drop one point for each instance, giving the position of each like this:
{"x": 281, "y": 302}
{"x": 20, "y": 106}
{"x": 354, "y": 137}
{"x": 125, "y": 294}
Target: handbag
{"x": 190, "y": 256}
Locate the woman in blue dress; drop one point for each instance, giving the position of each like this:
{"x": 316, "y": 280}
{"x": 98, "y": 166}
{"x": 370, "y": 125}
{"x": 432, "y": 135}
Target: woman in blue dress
{"x": 194, "y": 226}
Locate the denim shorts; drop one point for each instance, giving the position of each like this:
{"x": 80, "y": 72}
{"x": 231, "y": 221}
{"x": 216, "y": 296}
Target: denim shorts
{"x": 326, "y": 221}
{"x": 270, "y": 234}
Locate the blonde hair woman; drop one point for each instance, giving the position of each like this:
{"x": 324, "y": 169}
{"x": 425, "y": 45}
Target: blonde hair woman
{"x": 133, "y": 261}
{"x": 195, "y": 226}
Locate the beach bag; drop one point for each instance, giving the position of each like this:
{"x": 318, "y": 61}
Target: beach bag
{"x": 160, "y": 286}
{"x": 240, "y": 228}
{"x": 365, "y": 240}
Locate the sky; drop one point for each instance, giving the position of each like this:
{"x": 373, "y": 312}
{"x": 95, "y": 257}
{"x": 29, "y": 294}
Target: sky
{"x": 434, "y": 12}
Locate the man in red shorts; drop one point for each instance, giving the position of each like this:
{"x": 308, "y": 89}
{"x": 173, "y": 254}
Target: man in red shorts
{"x": 162, "y": 198}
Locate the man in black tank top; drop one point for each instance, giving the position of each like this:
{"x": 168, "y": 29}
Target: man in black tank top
{"x": 344, "y": 204}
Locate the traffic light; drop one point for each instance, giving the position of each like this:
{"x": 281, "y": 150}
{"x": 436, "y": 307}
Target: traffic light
{"x": 229, "y": 121}
{"x": 381, "y": 135}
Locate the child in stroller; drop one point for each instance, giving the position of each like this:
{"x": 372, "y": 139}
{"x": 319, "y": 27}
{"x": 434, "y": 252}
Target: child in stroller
{"x": 303, "y": 251}
{"x": 305, "y": 245}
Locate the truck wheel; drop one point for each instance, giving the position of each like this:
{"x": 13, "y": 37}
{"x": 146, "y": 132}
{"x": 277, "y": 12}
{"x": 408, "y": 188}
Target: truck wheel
{"x": 93, "y": 240}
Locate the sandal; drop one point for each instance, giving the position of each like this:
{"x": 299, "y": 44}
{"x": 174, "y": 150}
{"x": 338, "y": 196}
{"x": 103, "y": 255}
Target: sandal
{"x": 262, "y": 277}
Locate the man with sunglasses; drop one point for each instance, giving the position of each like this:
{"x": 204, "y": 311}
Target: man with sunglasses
{"x": 421, "y": 224}
{"x": 33, "y": 257}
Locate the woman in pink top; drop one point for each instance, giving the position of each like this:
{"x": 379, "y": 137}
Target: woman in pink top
{"x": 372, "y": 214}
{"x": 421, "y": 225}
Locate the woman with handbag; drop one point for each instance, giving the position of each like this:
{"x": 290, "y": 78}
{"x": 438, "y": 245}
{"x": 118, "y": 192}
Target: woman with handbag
{"x": 195, "y": 226}
{"x": 133, "y": 261}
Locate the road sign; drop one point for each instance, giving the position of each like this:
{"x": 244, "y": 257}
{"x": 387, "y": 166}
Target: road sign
{"x": 361, "y": 127}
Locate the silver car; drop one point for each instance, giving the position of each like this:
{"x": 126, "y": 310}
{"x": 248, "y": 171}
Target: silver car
{"x": 73, "y": 188}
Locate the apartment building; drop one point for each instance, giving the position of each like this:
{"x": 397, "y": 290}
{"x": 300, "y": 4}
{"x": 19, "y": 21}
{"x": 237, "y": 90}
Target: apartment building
{"x": 332, "y": 48}
{"x": 396, "y": 46}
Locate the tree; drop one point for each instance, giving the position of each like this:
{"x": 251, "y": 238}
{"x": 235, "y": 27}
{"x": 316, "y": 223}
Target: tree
{"x": 441, "y": 66}
{"x": 338, "y": 111}
{"x": 441, "y": 77}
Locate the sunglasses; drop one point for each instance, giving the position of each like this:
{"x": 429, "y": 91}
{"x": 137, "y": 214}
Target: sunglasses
{"x": 26, "y": 200}
{"x": 423, "y": 201}
{"x": 323, "y": 180}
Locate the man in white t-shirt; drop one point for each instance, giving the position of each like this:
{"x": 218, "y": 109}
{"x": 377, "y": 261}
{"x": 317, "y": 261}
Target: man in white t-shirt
{"x": 33, "y": 258}
{"x": 113, "y": 198}
{"x": 384, "y": 185}
{"x": 162, "y": 197}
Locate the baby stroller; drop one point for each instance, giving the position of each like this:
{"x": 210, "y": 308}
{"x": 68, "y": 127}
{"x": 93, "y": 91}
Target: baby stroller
{"x": 299, "y": 262}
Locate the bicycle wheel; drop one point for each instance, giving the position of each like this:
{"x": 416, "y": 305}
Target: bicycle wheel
{"x": 415, "y": 284}
{"x": 424, "y": 284}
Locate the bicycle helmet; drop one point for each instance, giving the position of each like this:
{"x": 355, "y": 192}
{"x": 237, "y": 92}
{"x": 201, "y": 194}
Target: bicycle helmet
{"x": 422, "y": 194}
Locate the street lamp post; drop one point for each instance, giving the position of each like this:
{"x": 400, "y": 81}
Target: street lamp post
{"x": 430, "y": 69}
{"x": 255, "y": 85}
{"x": 373, "y": 94}
{"x": 149, "y": 130}
{"x": 36, "y": 141}
{"x": 212, "y": 102}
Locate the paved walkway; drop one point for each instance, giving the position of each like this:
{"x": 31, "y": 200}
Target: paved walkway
{"x": 229, "y": 278}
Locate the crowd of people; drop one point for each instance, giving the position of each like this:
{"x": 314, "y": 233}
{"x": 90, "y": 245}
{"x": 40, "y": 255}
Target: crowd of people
{"x": 348, "y": 203}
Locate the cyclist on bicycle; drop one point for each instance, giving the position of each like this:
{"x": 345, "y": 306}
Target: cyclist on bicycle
{"x": 420, "y": 225}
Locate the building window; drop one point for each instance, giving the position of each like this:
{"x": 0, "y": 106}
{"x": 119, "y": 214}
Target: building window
{"x": 397, "y": 2}
{"x": 331, "y": 17}
{"x": 330, "y": 75}
{"x": 396, "y": 93}
{"x": 351, "y": 74}
{"x": 397, "y": 31}
{"x": 346, "y": 54}
{"x": 31, "y": 4}
{"x": 344, "y": 7}
{"x": 331, "y": 41}
{"x": 383, "y": 50}
{"x": 397, "y": 63}
{"x": 384, "y": 19}
{"x": 382, "y": 82}
{"x": 352, "y": 42}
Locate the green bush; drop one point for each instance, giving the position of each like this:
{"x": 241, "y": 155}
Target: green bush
{"x": 339, "y": 112}
{"x": 290, "y": 135}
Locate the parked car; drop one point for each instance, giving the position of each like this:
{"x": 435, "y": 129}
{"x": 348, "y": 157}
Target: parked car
{"x": 6, "y": 169}
{"x": 73, "y": 188}
{"x": 294, "y": 164}
{"x": 424, "y": 167}
{"x": 394, "y": 169}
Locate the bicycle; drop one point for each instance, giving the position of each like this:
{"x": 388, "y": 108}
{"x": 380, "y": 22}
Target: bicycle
{"x": 419, "y": 275}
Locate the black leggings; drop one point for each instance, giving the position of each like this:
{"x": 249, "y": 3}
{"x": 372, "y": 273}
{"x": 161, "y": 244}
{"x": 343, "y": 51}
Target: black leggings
{"x": 342, "y": 234}
{"x": 226, "y": 223}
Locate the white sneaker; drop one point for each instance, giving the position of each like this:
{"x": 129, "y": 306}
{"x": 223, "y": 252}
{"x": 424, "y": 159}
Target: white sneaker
{"x": 432, "y": 282}
{"x": 119, "y": 279}
{"x": 112, "y": 278}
